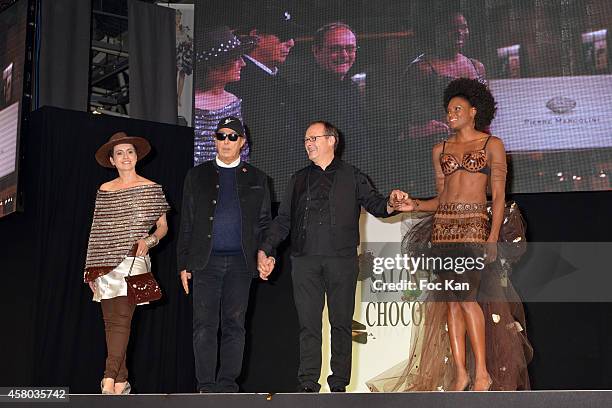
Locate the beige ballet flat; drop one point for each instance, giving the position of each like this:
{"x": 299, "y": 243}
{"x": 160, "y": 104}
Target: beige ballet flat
{"x": 105, "y": 392}
{"x": 126, "y": 389}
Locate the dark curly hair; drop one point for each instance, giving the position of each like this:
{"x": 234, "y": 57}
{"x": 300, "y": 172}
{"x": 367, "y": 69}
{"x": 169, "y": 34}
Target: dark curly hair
{"x": 478, "y": 95}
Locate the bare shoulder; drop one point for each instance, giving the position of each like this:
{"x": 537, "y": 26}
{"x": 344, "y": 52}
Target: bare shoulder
{"x": 437, "y": 149}
{"x": 230, "y": 96}
{"x": 479, "y": 66}
{"x": 495, "y": 141}
{"x": 496, "y": 146}
{"x": 207, "y": 101}
{"x": 145, "y": 181}
{"x": 109, "y": 185}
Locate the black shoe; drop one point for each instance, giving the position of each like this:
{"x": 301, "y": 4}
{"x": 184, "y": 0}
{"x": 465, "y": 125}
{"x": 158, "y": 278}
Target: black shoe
{"x": 338, "y": 388}
{"x": 306, "y": 389}
{"x": 356, "y": 326}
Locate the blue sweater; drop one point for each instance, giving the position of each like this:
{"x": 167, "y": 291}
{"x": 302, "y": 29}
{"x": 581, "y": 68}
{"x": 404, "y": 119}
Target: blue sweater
{"x": 227, "y": 232}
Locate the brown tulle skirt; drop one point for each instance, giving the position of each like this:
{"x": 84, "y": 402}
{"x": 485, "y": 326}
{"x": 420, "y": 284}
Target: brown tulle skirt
{"x": 430, "y": 366}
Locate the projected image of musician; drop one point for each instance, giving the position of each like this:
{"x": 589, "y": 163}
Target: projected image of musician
{"x": 328, "y": 91}
{"x": 264, "y": 90}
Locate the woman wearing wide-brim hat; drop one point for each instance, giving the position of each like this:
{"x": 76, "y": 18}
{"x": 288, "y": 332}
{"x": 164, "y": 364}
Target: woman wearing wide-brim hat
{"x": 126, "y": 210}
{"x": 219, "y": 59}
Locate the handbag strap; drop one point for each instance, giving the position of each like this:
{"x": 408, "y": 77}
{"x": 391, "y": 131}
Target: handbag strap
{"x": 132, "y": 265}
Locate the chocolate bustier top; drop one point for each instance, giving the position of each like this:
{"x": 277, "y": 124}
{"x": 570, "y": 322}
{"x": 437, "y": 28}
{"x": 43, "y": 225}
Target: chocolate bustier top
{"x": 474, "y": 161}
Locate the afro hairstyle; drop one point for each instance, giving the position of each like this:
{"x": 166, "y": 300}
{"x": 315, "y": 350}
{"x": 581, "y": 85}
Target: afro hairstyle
{"x": 478, "y": 95}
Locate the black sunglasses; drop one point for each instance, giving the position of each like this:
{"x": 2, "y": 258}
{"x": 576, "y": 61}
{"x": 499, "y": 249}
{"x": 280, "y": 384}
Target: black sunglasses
{"x": 231, "y": 136}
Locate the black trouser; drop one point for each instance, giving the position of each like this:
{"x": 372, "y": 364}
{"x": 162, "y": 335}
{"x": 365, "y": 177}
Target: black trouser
{"x": 220, "y": 294}
{"x": 313, "y": 278}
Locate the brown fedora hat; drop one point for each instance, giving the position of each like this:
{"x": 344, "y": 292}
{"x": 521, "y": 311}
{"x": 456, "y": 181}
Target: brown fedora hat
{"x": 105, "y": 151}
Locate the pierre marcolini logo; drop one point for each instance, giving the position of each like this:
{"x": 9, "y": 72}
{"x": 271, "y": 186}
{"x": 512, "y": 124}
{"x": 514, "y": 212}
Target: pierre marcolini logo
{"x": 561, "y": 104}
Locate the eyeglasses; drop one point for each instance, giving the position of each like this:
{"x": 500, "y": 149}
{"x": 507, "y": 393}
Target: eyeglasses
{"x": 313, "y": 139}
{"x": 337, "y": 49}
{"x": 231, "y": 136}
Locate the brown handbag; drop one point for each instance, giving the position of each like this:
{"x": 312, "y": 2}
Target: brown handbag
{"x": 142, "y": 288}
{"x": 94, "y": 272}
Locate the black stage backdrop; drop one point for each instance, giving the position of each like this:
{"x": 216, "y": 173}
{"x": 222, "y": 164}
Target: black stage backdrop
{"x": 152, "y": 37}
{"x": 571, "y": 340}
{"x": 63, "y": 71}
{"x": 53, "y": 333}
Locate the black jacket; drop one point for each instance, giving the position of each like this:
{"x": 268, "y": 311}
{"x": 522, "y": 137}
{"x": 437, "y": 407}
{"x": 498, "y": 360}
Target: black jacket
{"x": 200, "y": 195}
{"x": 350, "y": 191}
{"x": 274, "y": 137}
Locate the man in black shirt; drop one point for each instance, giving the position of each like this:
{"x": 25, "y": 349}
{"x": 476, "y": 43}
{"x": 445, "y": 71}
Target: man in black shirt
{"x": 321, "y": 210}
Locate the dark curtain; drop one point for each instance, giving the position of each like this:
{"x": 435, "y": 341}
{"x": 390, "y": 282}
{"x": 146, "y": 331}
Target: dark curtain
{"x": 152, "y": 36}
{"x": 65, "y": 27}
{"x": 570, "y": 340}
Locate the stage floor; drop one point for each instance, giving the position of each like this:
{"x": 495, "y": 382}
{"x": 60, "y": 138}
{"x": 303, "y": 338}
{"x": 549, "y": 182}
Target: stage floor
{"x": 527, "y": 399}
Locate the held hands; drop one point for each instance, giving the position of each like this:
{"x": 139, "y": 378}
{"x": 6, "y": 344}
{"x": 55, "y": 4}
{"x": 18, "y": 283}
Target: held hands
{"x": 265, "y": 264}
{"x": 400, "y": 201}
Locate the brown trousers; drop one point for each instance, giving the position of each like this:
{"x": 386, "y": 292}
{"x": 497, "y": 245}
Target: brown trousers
{"x": 117, "y": 313}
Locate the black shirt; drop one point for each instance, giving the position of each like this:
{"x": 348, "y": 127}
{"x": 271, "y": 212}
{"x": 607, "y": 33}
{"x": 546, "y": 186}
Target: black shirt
{"x": 350, "y": 191}
{"x": 318, "y": 224}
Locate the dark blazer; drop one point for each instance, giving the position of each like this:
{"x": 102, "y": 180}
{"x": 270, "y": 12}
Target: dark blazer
{"x": 275, "y": 139}
{"x": 200, "y": 194}
{"x": 350, "y": 191}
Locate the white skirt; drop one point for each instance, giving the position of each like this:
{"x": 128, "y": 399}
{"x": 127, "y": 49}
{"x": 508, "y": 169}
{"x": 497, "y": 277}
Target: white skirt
{"x": 113, "y": 284}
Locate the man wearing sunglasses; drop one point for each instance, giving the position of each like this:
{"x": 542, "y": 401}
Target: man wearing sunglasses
{"x": 263, "y": 88}
{"x": 321, "y": 211}
{"x": 225, "y": 209}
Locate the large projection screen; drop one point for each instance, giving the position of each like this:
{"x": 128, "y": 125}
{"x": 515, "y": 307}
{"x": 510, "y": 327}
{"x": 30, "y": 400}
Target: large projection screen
{"x": 546, "y": 62}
